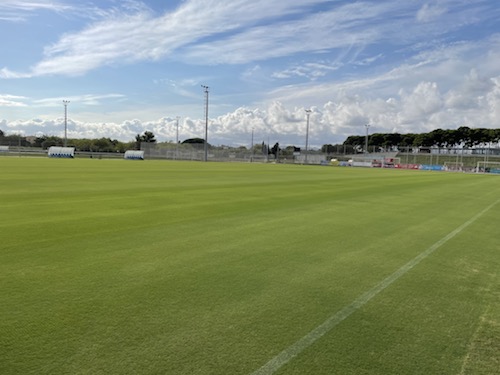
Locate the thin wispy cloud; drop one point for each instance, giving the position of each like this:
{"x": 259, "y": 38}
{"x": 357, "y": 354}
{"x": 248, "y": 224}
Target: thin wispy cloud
{"x": 430, "y": 12}
{"x": 135, "y": 34}
{"x": 127, "y": 37}
{"x": 20, "y": 10}
{"x": 87, "y": 100}
{"x": 12, "y": 101}
{"x": 313, "y": 71}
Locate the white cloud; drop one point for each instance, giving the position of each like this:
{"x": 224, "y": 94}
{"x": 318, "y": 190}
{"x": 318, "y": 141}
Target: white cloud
{"x": 81, "y": 100}
{"x": 317, "y": 32}
{"x": 423, "y": 108}
{"x": 311, "y": 70}
{"x": 12, "y": 101}
{"x": 369, "y": 60}
{"x": 214, "y": 32}
{"x": 442, "y": 88}
{"x": 20, "y": 10}
{"x": 435, "y": 84}
{"x": 184, "y": 87}
{"x": 421, "y": 103}
{"x": 127, "y": 36}
{"x": 6, "y": 73}
{"x": 430, "y": 12}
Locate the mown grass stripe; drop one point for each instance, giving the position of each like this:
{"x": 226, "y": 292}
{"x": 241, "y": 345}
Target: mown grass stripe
{"x": 299, "y": 346}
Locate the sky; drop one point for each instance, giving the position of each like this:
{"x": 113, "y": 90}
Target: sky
{"x": 129, "y": 66}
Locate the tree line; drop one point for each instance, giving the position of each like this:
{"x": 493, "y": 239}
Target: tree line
{"x": 81, "y": 144}
{"x": 463, "y": 136}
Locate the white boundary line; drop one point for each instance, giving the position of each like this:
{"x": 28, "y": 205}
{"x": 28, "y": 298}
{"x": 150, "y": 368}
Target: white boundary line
{"x": 299, "y": 346}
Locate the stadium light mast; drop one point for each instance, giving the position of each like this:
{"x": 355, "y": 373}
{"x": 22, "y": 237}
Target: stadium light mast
{"x": 366, "y": 138}
{"x": 308, "y": 113}
{"x": 177, "y": 137}
{"x": 206, "y": 88}
{"x": 65, "y": 103}
{"x": 251, "y": 148}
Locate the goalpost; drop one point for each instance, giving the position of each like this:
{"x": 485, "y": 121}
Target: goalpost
{"x": 488, "y": 167}
{"x": 374, "y": 161}
{"x": 390, "y": 162}
{"x": 454, "y": 166}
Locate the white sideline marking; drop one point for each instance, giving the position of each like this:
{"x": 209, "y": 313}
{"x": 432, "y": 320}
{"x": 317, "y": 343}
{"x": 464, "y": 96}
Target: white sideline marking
{"x": 299, "y": 346}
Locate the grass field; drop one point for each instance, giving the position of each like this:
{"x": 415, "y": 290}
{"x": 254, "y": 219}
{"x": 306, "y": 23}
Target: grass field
{"x": 156, "y": 267}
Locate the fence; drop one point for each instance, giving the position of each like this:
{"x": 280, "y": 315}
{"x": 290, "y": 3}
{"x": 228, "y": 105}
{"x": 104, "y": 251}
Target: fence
{"x": 450, "y": 157}
{"x": 196, "y": 152}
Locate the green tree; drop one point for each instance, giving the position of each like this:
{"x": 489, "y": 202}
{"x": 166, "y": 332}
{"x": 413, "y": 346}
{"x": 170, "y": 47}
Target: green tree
{"x": 327, "y": 148}
{"x": 102, "y": 145}
{"x": 355, "y": 140}
{"x": 463, "y": 136}
{"x": 194, "y": 141}
{"x": 439, "y": 137}
{"x": 147, "y": 137}
{"x": 480, "y": 136}
{"x": 275, "y": 150}
{"x": 392, "y": 139}
{"x": 423, "y": 140}
{"x": 83, "y": 144}
{"x": 49, "y": 141}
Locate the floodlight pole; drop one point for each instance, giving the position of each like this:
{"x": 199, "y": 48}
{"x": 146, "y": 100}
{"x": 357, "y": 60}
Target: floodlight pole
{"x": 251, "y": 157}
{"x": 177, "y": 137}
{"x": 366, "y": 138}
{"x": 308, "y": 113}
{"x": 206, "y": 88}
{"x": 65, "y": 103}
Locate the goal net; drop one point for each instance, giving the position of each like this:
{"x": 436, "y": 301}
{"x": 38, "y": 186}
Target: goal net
{"x": 390, "y": 162}
{"x": 453, "y": 166}
{"x": 488, "y": 167}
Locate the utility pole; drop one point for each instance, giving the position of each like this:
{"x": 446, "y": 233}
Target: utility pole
{"x": 251, "y": 148}
{"x": 206, "y": 88}
{"x": 366, "y": 138}
{"x": 65, "y": 102}
{"x": 177, "y": 138}
{"x": 308, "y": 112}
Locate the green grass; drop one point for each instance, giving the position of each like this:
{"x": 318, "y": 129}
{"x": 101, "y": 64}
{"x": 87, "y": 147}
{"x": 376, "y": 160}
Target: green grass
{"x": 443, "y": 159}
{"x": 156, "y": 267}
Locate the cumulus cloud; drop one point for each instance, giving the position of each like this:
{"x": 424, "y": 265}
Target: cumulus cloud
{"x": 330, "y": 123}
{"x": 469, "y": 96}
{"x": 423, "y": 108}
{"x": 437, "y": 83}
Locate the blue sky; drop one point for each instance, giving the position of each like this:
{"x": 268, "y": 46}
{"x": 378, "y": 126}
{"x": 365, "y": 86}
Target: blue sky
{"x": 130, "y": 66}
